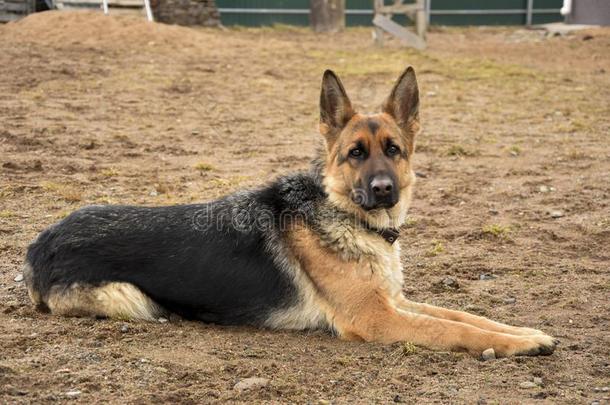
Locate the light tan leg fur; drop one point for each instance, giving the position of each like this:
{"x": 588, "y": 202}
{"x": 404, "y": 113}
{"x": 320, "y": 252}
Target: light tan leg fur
{"x": 362, "y": 308}
{"x": 464, "y": 317}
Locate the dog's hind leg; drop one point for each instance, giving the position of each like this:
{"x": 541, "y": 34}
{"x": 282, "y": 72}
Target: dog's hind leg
{"x": 112, "y": 300}
{"x": 464, "y": 317}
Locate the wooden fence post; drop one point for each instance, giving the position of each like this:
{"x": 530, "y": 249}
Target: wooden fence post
{"x": 327, "y": 15}
{"x": 377, "y": 5}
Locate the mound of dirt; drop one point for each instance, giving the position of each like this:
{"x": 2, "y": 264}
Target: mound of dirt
{"x": 94, "y": 29}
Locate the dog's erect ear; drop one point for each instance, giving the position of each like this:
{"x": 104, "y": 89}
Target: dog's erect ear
{"x": 403, "y": 102}
{"x": 335, "y": 108}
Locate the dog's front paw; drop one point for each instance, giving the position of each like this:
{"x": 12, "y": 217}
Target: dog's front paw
{"x": 537, "y": 345}
{"x": 533, "y": 345}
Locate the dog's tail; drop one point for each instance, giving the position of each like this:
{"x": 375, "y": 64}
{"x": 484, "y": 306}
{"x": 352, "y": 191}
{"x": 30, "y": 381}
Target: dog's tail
{"x": 35, "y": 296}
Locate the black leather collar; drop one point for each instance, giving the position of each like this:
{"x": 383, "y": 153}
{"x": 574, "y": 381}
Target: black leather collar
{"x": 389, "y": 234}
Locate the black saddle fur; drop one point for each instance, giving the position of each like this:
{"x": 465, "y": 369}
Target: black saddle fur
{"x": 222, "y": 262}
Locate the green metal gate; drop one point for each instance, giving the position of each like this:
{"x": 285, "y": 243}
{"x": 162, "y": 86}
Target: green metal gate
{"x": 359, "y": 12}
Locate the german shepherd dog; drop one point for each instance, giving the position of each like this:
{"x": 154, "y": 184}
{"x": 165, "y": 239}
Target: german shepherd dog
{"x": 312, "y": 250}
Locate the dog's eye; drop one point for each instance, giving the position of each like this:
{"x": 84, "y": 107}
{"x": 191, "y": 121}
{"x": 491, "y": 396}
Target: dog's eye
{"x": 356, "y": 152}
{"x": 392, "y": 150}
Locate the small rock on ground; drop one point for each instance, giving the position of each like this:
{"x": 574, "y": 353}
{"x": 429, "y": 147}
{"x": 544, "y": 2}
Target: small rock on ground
{"x": 73, "y": 393}
{"x": 15, "y": 391}
{"x": 510, "y": 300}
{"x": 124, "y": 328}
{"x": 251, "y": 383}
{"x": 556, "y": 214}
{"x": 488, "y": 354}
{"x": 486, "y": 276}
{"x": 528, "y": 384}
{"x": 18, "y": 278}
{"x": 450, "y": 282}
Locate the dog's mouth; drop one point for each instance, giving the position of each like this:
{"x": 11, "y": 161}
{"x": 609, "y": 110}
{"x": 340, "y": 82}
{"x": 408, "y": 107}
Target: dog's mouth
{"x": 369, "y": 202}
{"x": 381, "y": 205}
{"x": 378, "y": 206}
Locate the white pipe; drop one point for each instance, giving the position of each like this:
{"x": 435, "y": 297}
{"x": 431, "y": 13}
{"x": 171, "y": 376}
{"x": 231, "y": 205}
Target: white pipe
{"x": 567, "y": 8}
{"x": 105, "y": 4}
{"x": 148, "y": 10}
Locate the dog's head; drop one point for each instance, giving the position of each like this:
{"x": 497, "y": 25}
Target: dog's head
{"x": 368, "y": 157}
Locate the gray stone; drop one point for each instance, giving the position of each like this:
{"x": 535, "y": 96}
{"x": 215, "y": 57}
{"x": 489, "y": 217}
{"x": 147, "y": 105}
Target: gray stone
{"x": 73, "y": 393}
{"x": 251, "y": 383}
{"x": 556, "y": 214}
{"x": 450, "y": 282}
{"x": 18, "y": 278}
{"x": 488, "y": 354}
{"x": 486, "y": 276}
{"x": 125, "y": 328}
{"x": 15, "y": 391}
{"x": 510, "y": 300}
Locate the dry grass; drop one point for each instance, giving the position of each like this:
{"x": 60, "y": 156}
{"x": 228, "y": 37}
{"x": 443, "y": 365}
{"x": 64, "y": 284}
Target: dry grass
{"x": 408, "y": 349}
{"x": 109, "y": 172}
{"x": 204, "y": 167}
{"x": 496, "y": 230}
{"x": 514, "y": 150}
{"x": 436, "y": 249}
{"x": 67, "y": 192}
{"x": 7, "y": 214}
{"x": 460, "y": 151}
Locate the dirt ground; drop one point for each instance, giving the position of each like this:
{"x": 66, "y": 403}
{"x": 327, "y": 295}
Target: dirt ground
{"x": 514, "y": 165}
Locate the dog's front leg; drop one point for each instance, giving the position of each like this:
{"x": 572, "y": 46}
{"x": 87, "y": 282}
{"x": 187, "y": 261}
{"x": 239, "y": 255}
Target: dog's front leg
{"x": 359, "y": 306}
{"x": 464, "y": 317}
{"x": 377, "y": 320}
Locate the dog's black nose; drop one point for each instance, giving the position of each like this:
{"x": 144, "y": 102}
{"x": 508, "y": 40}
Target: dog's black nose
{"x": 382, "y": 186}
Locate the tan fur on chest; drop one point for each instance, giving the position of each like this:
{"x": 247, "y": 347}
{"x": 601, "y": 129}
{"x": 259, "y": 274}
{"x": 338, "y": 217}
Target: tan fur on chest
{"x": 347, "y": 267}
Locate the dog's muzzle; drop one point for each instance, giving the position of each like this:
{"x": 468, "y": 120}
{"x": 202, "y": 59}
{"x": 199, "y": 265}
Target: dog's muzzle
{"x": 381, "y": 192}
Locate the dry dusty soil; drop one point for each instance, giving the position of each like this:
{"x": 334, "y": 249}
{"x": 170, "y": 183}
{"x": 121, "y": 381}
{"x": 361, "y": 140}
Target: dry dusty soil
{"x": 514, "y": 165}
